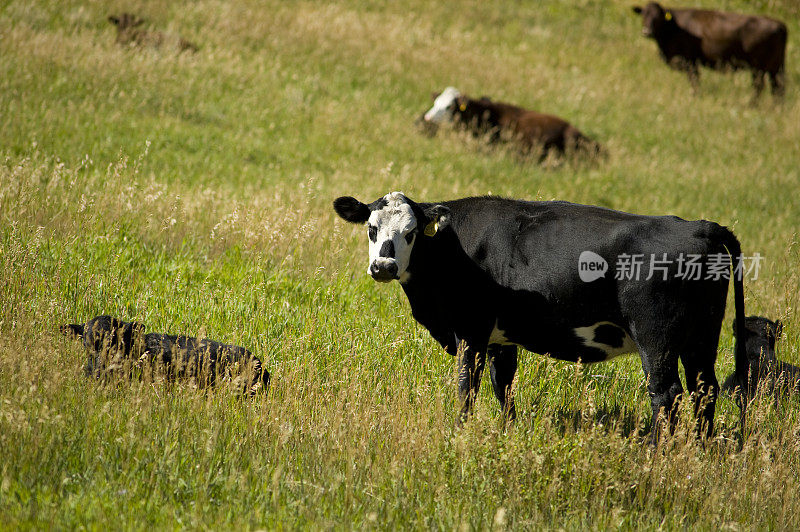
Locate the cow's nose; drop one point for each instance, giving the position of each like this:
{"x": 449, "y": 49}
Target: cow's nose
{"x": 383, "y": 272}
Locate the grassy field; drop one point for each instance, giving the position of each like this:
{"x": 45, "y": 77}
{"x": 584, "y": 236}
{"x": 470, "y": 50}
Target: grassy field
{"x": 192, "y": 192}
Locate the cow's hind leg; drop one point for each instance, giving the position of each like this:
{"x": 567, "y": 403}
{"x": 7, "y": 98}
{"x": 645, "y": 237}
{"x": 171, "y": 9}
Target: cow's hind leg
{"x": 502, "y": 368}
{"x": 701, "y": 383}
{"x": 777, "y": 83}
{"x": 665, "y": 390}
{"x": 660, "y": 365}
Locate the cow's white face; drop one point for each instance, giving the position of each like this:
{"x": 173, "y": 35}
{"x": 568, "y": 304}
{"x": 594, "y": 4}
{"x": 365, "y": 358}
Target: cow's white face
{"x": 391, "y": 233}
{"x": 394, "y": 224}
{"x": 443, "y": 106}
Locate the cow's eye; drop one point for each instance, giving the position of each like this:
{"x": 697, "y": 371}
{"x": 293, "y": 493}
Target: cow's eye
{"x": 373, "y": 233}
{"x": 410, "y": 237}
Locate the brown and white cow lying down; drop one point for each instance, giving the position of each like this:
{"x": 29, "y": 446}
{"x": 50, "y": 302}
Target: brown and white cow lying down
{"x": 719, "y": 40}
{"x": 116, "y": 348}
{"x": 763, "y": 367}
{"x": 130, "y": 34}
{"x": 502, "y": 121}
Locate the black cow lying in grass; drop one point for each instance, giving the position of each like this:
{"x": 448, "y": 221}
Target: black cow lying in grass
{"x": 488, "y": 275}
{"x": 688, "y": 37}
{"x": 763, "y": 367}
{"x": 502, "y": 121}
{"x": 117, "y": 347}
{"x": 129, "y": 33}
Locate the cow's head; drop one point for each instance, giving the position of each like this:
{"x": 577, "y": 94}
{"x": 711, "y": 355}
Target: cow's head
{"x": 74, "y": 330}
{"x": 394, "y": 225}
{"x": 125, "y": 21}
{"x": 106, "y": 333}
{"x": 760, "y": 336}
{"x": 444, "y": 106}
{"x": 655, "y": 19}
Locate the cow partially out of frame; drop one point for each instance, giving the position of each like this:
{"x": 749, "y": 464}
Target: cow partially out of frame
{"x": 763, "y": 369}
{"x": 488, "y": 275}
{"x": 687, "y": 38}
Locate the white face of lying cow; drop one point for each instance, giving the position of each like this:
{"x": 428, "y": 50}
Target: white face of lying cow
{"x": 443, "y": 106}
{"x": 392, "y": 229}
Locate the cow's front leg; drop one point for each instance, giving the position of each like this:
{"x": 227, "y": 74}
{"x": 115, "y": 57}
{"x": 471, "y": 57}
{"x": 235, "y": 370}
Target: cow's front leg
{"x": 665, "y": 390}
{"x": 694, "y": 77}
{"x": 690, "y": 67}
{"x": 777, "y": 81}
{"x": 470, "y": 368}
{"x": 758, "y": 85}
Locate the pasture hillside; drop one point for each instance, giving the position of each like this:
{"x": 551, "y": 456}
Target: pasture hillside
{"x": 192, "y": 192}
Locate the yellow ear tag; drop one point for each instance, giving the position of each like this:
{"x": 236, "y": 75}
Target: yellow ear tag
{"x": 463, "y": 107}
{"x": 431, "y": 228}
{"x": 668, "y": 16}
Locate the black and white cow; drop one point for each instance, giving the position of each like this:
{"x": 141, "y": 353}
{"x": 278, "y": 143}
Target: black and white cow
{"x": 487, "y": 275}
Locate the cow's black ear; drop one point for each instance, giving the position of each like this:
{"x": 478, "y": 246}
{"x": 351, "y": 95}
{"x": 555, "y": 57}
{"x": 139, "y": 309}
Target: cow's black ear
{"x": 637, "y": 10}
{"x": 437, "y": 217}
{"x": 72, "y": 329}
{"x": 350, "y": 209}
{"x": 114, "y": 20}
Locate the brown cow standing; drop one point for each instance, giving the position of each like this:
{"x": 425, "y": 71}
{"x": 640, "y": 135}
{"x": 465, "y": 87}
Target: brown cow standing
{"x": 497, "y": 120}
{"x": 129, "y": 33}
{"x": 688, "y": 37}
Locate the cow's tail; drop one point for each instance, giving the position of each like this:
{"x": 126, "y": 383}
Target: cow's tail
{"x": 731, "y": 243}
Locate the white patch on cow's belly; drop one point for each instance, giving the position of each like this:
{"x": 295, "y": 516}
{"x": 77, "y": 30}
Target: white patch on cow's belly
{"x": 498, "y": 337}
{"x": 587, "y": 334}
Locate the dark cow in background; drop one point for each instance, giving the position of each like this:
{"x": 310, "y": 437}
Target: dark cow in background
{"x": 115, "y": 347}
{"x": 763, "y": 368}
{"x": 691, "y": 37}
{"x": 129, "y": 33}
{"x": 497, "y": 120}
{"x": 486, "y": 275}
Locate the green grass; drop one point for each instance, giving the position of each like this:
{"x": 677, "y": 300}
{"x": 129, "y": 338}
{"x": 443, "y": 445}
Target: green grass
{"x": 193, "y": 193}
